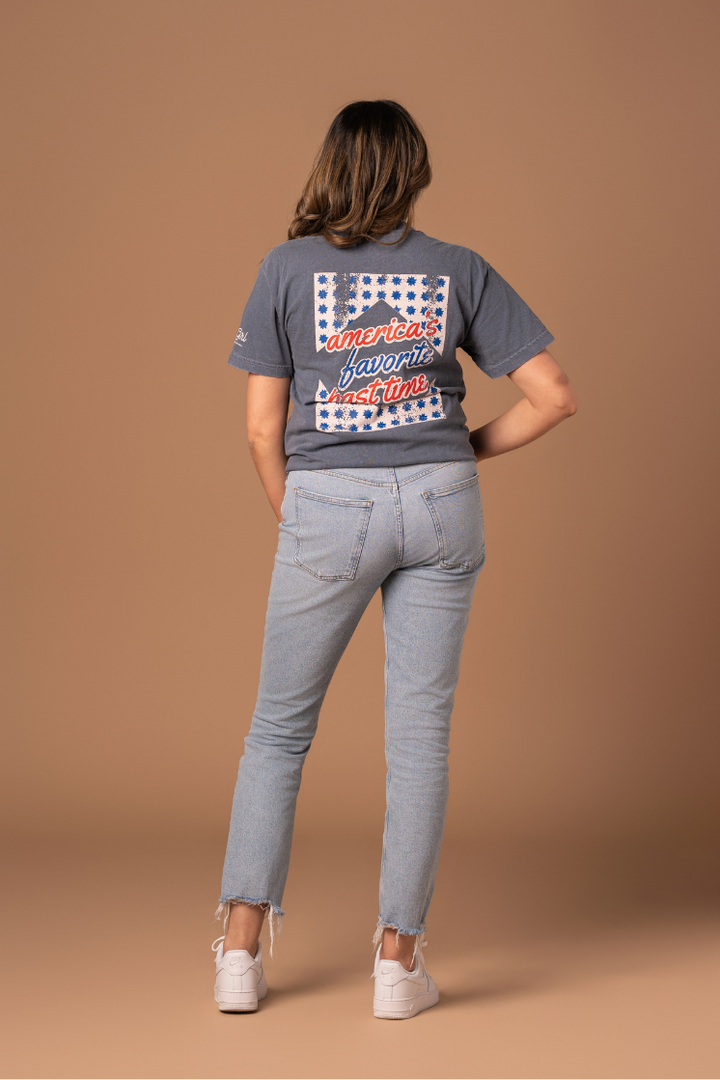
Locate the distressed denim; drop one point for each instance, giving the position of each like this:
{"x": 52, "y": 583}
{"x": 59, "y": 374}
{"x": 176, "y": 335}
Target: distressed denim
{"x": 416, "y": 533}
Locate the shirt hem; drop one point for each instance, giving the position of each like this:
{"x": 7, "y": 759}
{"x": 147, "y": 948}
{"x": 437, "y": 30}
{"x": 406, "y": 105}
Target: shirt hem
{"x": 521, "y": 356}
{"x": 258, "y": 367}
{"x": 296, "y": 464}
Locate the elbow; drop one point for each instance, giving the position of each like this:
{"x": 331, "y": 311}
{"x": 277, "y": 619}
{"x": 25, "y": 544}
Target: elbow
{"x": 263, "y": 445}
{"x": 570, "y": 405}
{"x": 259, "y": 436}
{"x": 559, "y": 406}
{"x": 565, "y": 398}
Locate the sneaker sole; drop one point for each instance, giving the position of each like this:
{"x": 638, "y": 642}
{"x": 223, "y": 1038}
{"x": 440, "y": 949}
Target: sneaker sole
{"x": 400, "y": 1010}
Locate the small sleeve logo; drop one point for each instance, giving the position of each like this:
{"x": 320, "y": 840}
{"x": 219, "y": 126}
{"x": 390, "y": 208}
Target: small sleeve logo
{"x": 241, "y": 337}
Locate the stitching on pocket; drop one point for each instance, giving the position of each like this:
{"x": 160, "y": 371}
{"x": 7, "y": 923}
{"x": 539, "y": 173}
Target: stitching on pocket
{"x": 354, "y": 558}
{"x": 331, "y": 498}
{"x": 467, "y": 482}
{"x": 433, "y": 493}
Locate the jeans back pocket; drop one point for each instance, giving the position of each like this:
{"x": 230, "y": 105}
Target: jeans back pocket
{"x": 330, "y": 534}
{"x": 457, "y": 515}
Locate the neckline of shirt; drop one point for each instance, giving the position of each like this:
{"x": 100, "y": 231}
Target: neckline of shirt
{"x": 387, "y": 238}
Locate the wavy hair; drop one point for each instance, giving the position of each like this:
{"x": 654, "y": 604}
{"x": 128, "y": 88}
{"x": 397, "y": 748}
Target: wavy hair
{"x": 367, "y": 176}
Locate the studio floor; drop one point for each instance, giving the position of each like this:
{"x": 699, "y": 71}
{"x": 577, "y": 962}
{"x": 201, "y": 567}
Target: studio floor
{"x": 554, "y": 959}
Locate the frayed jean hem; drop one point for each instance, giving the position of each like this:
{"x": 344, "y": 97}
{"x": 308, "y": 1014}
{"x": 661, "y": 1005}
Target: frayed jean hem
{"x": 383, "y": 925}
{"x": 419, "y": 935}
{"x": 275, "y": 913}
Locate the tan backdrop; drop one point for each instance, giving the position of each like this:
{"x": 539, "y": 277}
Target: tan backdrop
{"x": 156, "y": 150}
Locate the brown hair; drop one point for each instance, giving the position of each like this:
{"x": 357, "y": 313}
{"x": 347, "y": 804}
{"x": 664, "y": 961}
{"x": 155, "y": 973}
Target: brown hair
{"x": 368, "y": 174}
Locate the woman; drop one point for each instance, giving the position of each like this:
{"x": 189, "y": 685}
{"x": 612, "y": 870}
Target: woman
{"x": 374, "y": 484}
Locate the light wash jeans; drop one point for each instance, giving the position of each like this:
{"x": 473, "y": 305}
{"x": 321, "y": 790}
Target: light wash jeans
{"x": 416, "y": 532}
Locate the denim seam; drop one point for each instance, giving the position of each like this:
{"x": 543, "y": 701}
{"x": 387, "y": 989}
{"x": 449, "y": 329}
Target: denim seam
{"x": 458, "y": 486}
{"x": 426, "y": 472}
{"x": 356, "y": 479}
{"x": 395, "y": 492}
{"x": 389, "y": 483}
{"x": 386, "y": 829}
{"x": 338, "y": 499}
{"x": 427, "y": 497}
{"x": 438, "y": 530}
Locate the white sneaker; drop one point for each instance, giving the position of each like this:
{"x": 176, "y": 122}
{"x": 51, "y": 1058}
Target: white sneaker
{"x": 400, "y": 994}
{"x": 240, "y": 982}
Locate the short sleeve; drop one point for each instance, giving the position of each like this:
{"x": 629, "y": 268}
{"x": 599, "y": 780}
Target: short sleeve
{"x": 503, "y": 332}
{"x": 261, "y": 345}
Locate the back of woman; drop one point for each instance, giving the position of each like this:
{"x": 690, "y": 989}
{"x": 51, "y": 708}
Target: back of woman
{"x": 356, "y": 319}
{"x": 368, "y": 330}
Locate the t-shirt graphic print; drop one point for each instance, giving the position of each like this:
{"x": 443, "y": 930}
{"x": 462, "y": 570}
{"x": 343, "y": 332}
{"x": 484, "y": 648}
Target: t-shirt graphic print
{"x": 368, "y": 337}
{"x": 383, "y": 331}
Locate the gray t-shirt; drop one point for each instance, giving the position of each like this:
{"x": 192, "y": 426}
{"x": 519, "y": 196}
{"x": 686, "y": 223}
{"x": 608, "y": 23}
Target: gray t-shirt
{"x": 368, "y": 336}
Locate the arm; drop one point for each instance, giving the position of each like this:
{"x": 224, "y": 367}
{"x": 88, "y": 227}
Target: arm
{"x": 267, "y": 409}
{"x": 549, "y": 398}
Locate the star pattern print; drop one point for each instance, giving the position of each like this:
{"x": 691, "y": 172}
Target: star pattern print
{"x": 341, "y": 416}
{"x": 342, "y": 298}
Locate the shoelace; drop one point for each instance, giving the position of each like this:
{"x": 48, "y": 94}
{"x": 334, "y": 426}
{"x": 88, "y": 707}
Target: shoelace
{"x": 216, "y": 948}
{"x": 418, "y": 952}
